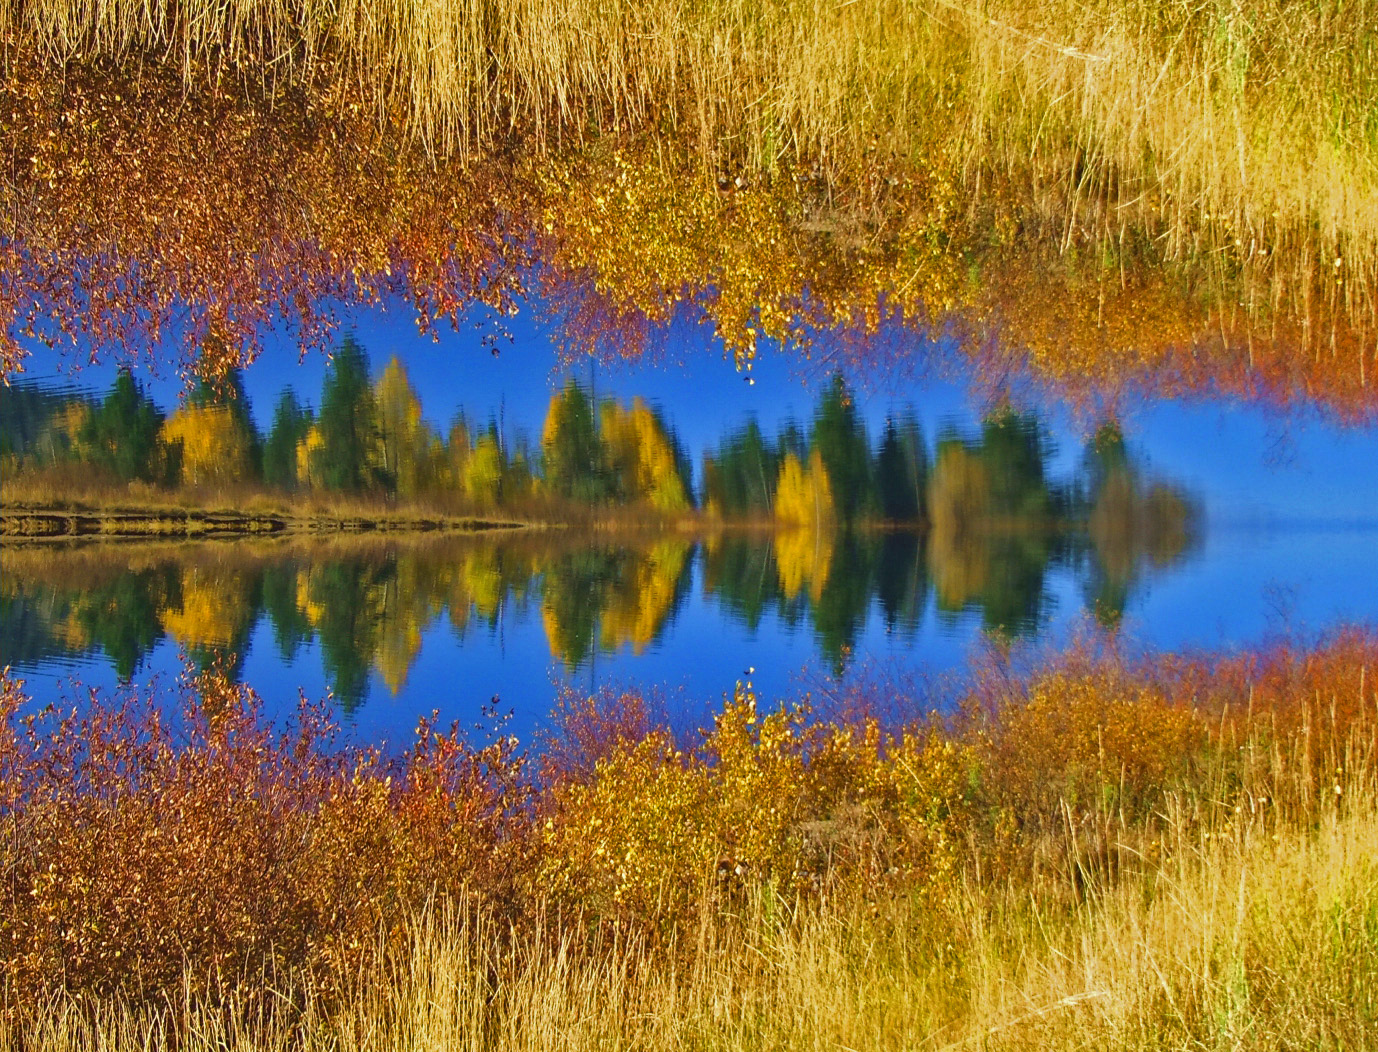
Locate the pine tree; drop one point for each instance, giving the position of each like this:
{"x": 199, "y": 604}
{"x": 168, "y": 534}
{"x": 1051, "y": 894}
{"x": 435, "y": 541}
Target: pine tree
{"x": 122, "y": 435}
{"x": 290, "y": 424}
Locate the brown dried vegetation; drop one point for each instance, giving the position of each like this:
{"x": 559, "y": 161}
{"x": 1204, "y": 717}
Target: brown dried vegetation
{"x": 146, "y": 849}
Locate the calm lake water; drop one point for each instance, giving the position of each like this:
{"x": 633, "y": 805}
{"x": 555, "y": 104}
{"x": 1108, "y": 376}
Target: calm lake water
{"x": 1204, "y": 526}
{"x": 398, "y": 627}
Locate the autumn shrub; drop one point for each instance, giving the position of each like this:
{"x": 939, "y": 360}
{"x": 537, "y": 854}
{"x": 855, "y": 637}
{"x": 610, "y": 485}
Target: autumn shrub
{"x": 655, "y": 831}
{"x": 145, "y": 849}
{"x": 1088, "y": 741}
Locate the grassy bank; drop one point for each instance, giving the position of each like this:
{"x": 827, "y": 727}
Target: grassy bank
{"x": 1176, "y": 854}
{"x": 1253, "y": 941}
{"x": 74, "y": 500}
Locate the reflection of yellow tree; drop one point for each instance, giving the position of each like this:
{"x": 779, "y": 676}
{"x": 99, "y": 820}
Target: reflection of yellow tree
{"x": 1129, "y": 521}
{"x": 408, "y": 603}
{"x": 483, "y": 580}
{"x": 641, "y": 456}
{"x": 215, "y": 608}
{"x": 637, "y": 611}
{"x": 958, "y": 506}
{"x": 804, "y": 510}
{"x": 215, "y": 446}
{"x": 804, "y": 557}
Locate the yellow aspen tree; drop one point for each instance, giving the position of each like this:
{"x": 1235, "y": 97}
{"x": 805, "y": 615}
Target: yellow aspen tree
{"x": 215, "y": 447}
{"x": 404, "y": 442}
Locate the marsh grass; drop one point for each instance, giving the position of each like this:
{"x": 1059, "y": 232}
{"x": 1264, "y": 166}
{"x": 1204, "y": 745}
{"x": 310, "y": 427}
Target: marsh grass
{"x": 1245, "y": 935}
{"x": 1180, "y": 854}
{"x": 1118, "y": 192}
{"x": 1204, "y": 122}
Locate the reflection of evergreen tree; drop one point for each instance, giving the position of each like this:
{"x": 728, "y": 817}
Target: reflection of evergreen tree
{"x": 841, "y": 607}
{"x": 574, "y": 588}
{"x": 1013, "y": 601}
{"x": 901, "y": 473}
{"x": 26, "y": 629}
{"x": 741, "y": 572}
{"x": 122, "y": 616}
{"x": 348, "y": 626}
{"x": 901, "y": 580}
{"x": 291, "y": 626}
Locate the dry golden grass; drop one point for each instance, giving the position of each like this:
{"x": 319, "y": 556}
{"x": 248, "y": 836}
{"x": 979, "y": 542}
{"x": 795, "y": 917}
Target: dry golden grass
{"x": 1181, "y": 855}
{"x": 1247, "y": 935}
{"x": 1242, "y": 119}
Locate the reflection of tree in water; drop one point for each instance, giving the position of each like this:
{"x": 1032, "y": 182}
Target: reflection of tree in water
{"x": 626, "y": 596}
{"x": 901, "y": 580}
{"x": 291, "y": 627}
{"x": 841, "y": 606}
{"x": 121, "y": 617}
{"x": 996, "y": 526}
{"x": 1131, "y": 521}
{"x": 994, "y": 523}
{"x": 213, "y": 616}
{"x": 340, "y": 602}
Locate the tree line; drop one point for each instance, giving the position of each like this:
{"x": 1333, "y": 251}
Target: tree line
{"x": 369, "y": 437}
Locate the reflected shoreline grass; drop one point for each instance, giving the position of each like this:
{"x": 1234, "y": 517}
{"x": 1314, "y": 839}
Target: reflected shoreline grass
{"x": 1178, "y": 851}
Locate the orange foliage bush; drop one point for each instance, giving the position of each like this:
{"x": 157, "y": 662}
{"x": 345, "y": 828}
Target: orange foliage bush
{"x": 139, "y": 846}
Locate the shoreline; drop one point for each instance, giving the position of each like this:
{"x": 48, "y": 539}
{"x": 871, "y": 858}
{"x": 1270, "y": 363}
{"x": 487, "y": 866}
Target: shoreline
{"x": 42, "y": 522}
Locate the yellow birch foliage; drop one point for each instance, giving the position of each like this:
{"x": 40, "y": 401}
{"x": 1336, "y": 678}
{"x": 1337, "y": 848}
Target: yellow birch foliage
{"x": 406, "y": 448}
{"x": 804, "y": 509}
{"x": 215, "y": 446}
{"x": 641, "y": 455}
{"x": 70, "y": 423}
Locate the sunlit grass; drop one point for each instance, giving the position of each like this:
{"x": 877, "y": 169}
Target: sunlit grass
{"x": 1181, "y": 196}
{"x": 1182, "y": 854}
{"x": 1246, "y": 120}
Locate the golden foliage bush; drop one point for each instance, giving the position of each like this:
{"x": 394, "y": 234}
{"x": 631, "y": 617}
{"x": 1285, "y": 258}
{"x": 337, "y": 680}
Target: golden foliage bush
{"x": 144, "y": 848}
